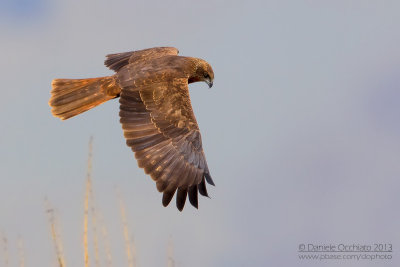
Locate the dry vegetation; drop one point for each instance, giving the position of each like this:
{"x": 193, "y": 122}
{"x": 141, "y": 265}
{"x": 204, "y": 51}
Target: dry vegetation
{"x": 97, "y": 228}
{"x": 55, "y": 235}
{"x": 92, "y": 214}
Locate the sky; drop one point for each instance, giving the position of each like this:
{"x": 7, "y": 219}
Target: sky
{"x": 301, "y": 129}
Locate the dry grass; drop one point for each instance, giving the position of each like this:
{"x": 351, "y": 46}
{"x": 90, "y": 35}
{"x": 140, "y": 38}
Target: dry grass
{"x": 85, "y": 224}
{"x": 90, "y": 202}
{"x": 98, "y": 229}
{"x": 128, "y": 246}
{"x": 55, "y": 235}
{"x": 94, "y": 228}
{"x": 90, "y": 197}
{"x": 106, "y": 242}
{"x": 86, "y": 203}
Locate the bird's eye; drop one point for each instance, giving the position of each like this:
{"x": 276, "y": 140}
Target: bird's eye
{"x": 206, "y": 75}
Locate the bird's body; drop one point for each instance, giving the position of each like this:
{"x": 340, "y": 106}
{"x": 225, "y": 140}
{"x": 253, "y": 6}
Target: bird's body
{"x": 155, "y": 113}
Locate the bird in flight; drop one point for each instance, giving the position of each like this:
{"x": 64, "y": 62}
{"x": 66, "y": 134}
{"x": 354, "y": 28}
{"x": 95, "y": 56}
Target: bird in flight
{"x": 155, "y": 112}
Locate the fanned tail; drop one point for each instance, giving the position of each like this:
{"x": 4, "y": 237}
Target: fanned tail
{"x": 70, "y": 97}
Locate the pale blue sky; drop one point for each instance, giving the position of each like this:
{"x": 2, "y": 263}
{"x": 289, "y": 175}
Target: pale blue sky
{"x": 301, "y": 129}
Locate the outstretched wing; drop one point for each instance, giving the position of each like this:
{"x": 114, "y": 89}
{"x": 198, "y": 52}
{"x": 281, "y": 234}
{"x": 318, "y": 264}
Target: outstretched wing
{"x": 117, "y": 61}
{"x": 161, "y": 129}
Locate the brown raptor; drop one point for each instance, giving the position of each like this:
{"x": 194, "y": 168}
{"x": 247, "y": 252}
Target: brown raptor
{"x": 155, "y": 112}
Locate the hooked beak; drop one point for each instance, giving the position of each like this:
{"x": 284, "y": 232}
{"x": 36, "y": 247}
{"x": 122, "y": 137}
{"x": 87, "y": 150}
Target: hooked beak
{"x": 210, "y": 83}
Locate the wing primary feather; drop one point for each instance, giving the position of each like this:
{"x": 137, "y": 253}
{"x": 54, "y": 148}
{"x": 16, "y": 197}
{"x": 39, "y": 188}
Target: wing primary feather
{"x": 145, "y": 142}
{"x": 181, "y": 197}
{"x": 173, "y": 172}
{"x": 162, "y": 161}
{"x": 161, "y": 185}
{"x": 168, "y": 177}
{"x": 202, "y": 188}
{"x": 167, "y": 196}
{"x": 148, "y": 152}
{"x": 209, "y": 179}
{"x": 193, "y": 196}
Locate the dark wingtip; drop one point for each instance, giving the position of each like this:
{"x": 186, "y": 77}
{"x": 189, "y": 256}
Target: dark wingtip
{"x": 181, "y": 198}
{"x": 167, "y": 197}
{"x": 209, "y": 179}
{"x": 193, "y": 197}
{"x": 202, "y": 188}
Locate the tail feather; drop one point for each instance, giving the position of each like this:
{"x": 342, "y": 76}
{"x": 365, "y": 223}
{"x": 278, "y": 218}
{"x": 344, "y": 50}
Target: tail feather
{"x": 70, "y": 97}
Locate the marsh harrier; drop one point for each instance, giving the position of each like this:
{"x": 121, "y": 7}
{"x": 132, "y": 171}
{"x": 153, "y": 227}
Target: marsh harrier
{"x": 155, "y": 112}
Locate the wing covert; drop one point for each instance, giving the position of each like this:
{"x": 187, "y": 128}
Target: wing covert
{"x": 116, "y": 61}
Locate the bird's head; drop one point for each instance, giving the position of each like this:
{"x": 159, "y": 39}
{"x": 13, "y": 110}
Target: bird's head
{"x": 203, "y": 73}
